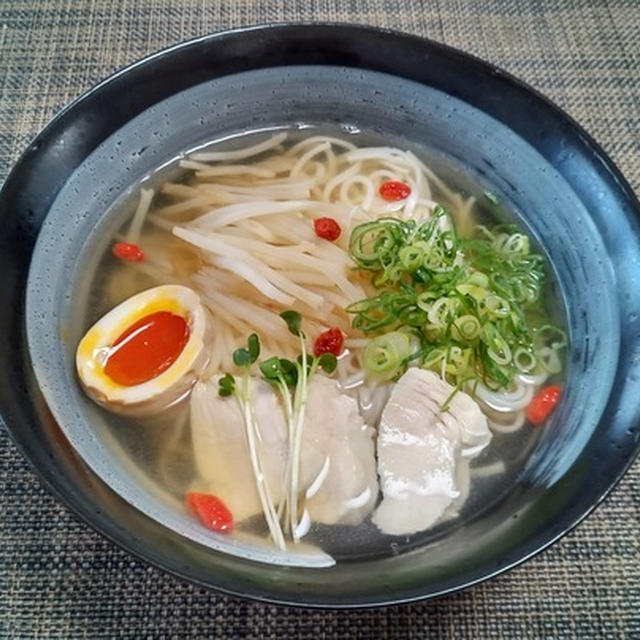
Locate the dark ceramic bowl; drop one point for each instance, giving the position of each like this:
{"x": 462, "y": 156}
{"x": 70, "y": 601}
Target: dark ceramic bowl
{"x": 56, "y": 205}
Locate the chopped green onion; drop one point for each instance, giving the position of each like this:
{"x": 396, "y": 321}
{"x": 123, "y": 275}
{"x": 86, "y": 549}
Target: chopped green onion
{"x": 411, "y": 257}
{"x": 497, "y": 347}
{"x": 496, "y": 306}
{"x": 550, "y": 360}
{"x": 550, "y": 336}
{"x": 467, "y": 328}
{"x": 385, "y": 355}
{"x": 524, "y": 360}
{"x": 472, "y": 301}
{"x": 434, "y": 358}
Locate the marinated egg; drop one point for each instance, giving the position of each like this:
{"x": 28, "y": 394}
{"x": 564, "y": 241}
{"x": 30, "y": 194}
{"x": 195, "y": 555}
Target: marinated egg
{"x": 145, "y": 354}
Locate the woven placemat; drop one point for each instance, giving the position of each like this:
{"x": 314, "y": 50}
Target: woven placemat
{"x": 58, "y": 579}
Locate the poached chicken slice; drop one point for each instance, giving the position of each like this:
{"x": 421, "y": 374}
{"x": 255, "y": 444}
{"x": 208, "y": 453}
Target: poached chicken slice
{"x": 419, "y": 449}
{"x": 221, "y": 451}
{"x": 338, "y": 482}
{"x": 338, "y": 460}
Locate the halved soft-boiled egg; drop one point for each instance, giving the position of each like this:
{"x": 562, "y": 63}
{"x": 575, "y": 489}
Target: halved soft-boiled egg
{"x": 146, "y": 353}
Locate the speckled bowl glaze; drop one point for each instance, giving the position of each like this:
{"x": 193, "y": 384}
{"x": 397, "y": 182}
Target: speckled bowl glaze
{"x": 61, "y": 203}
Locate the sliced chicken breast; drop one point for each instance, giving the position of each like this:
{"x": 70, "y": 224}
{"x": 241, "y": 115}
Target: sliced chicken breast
{"x": 338, "y": 459}
{"x": 420, "y": 448}
{"x": 337, "y": 467}
{"x": 221, "y": 451}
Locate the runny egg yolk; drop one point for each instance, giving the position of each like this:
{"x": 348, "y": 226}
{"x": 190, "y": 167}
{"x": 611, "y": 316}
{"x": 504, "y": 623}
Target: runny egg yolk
{"x": 147, "y": 348}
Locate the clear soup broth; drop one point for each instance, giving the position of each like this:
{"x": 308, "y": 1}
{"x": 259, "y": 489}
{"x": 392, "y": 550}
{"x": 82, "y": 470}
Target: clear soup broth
{"x": 252, "y": 249}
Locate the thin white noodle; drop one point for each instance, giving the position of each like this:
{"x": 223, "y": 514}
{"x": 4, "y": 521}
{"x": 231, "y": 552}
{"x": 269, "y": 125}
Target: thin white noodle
{"x": 511, "y": 427}
{"x": 366, "y": 197}
{"x": 433, "y": 178}
{"x": 255, "y": 278}
{"x": 232, "y": 214}
{"x": 534, "y": 379}
{"x": 231, "y": 194}
{"x": 410, "y": 203}
{"x": 207, "y": 171}
{"x": 239, "y": 154}
{"x": 252, "y": 270}
{"x": 137, "y": 222}
{"x": 306, "y": 157}
{"x": 209, "y": 194}
{"x": 238, "y": 324}
{"x": 381, "y": 175}
{"x": 237, "y": 261}
{"x": 277, "y": 163}
{"x": 178, "y": 190}
{"x": 506, "y": 401}
{"x": 165, "y": 225}
{"x": 256, "y": 316}
{"x": 313, "y": 140}
{"x": 338, "y": 179}
{"x": 175, "y": 210}
{"x": 161, "y": 276}
{"x": 282, "y": 257}
{"x": 256, "y": 228}
{"x": 310, "y": 278}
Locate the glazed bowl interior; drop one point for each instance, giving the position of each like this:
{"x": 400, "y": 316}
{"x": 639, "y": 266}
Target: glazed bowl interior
{"x": 79, "y": 172}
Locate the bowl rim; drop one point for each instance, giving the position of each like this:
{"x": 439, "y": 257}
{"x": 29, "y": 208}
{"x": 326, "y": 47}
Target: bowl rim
{"x": 112, "y": 533}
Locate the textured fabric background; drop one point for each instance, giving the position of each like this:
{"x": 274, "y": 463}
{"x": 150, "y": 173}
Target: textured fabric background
{"x": 58, "y": 579}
